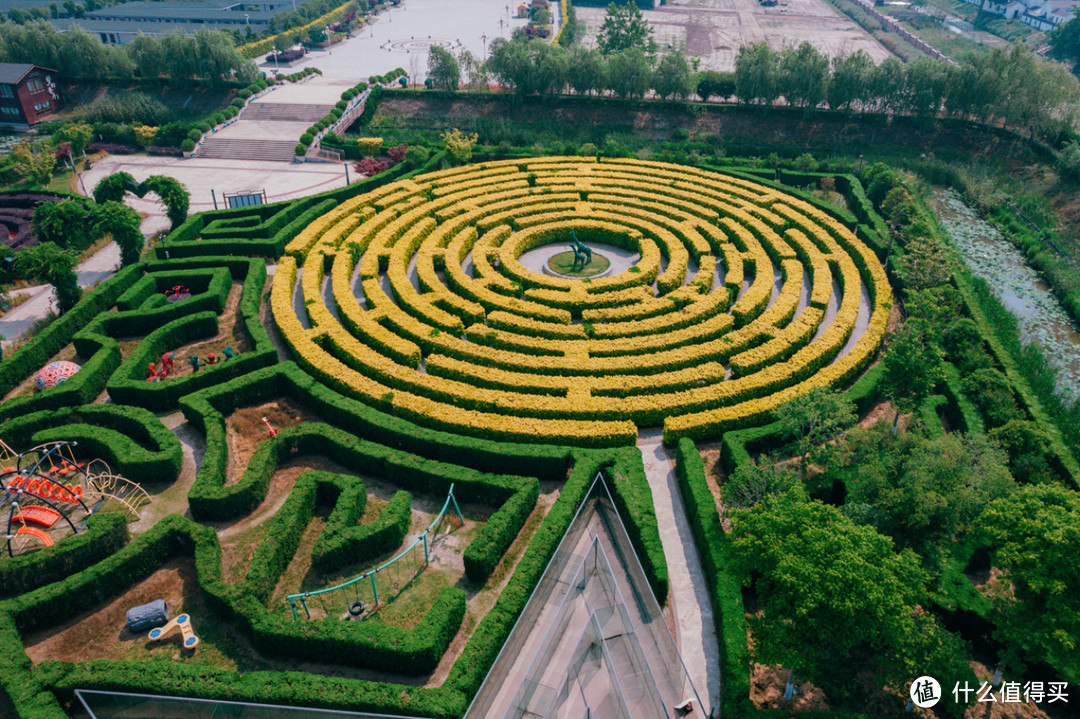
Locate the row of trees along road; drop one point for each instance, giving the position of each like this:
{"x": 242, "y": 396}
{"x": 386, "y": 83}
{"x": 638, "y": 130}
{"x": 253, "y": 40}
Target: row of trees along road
{"x": 1009, "y": 86}
{"x": 206, "y": 56}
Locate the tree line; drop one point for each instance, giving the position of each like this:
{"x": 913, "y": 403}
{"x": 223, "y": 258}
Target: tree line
{"x": 206, "y": 56}
{"x": 1011, "y": 87}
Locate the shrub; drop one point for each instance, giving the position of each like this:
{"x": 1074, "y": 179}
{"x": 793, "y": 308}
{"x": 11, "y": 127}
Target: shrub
{"x": 187, "y": 145}
{"x": 300, "y": 150}
{"x": 307, "y": 138}
{"x": 369, "y": 146}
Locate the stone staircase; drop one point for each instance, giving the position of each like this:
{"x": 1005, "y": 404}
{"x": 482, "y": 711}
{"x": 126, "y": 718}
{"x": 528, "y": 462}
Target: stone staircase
{"x": 224, "y": 148}
{"x": 285, "y": 112}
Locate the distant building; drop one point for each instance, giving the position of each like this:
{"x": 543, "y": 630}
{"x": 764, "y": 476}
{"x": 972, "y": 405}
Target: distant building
{"x": 28, "y": 93}
{"x": 119, "y": 24}
{"x": 1042, "y": 15}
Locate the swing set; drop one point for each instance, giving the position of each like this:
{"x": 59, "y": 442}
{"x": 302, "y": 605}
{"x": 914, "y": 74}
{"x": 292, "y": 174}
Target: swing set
{"x": 390, "y": 567}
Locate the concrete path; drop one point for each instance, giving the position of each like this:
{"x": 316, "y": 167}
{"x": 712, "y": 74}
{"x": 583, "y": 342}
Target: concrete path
{"x": 281, "y": 181}
{"x": 688, "y": 593}
{"x": 402, "y": 36}
{"x": 97, "y": 268}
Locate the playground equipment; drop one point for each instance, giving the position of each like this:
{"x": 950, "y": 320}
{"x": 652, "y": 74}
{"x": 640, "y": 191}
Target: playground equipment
{"x": 273, "y": 432}
{"x": 196, "y": 363}
{"x": 175, "y": 294}
{"x": 182, "y": 624}
{"x": 145, "y": 616}
{"x": 356, "y": 608}
{"x": 47, "y": 484}
{"x": 167, "y": 362}
{"x": 54, "y": 373}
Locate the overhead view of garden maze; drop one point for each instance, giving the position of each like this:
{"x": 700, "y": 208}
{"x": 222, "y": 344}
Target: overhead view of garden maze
{"x": 343, "y": 439}
{"x": 418, "y": 298}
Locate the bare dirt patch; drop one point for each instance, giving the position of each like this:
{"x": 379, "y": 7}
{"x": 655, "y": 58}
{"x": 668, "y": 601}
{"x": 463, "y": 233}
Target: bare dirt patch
{"x": 245, "y": 430}
{"x": 101, "y": 631}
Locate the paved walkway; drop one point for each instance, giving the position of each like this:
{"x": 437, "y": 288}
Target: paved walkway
{"x": 97, "y": 268}
{"x": 281, "y": 181}
{"x": 401, "y": 37}
{"x": 688, "y": 593}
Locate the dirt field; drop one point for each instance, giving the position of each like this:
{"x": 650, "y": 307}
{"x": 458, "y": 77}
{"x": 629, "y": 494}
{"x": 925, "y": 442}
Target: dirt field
{"x": 713, "y": 30}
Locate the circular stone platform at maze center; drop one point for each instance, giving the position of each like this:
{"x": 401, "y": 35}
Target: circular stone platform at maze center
{"x": 562, "y": 265}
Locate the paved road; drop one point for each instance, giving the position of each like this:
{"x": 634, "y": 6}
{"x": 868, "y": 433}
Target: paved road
{"x": 99, "y": 267}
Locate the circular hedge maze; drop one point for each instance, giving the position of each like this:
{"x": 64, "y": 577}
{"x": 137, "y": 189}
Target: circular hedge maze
{"x": 413, "y": 297}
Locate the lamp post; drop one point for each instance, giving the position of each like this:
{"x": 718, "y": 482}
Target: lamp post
{"x": 483, "y": 38}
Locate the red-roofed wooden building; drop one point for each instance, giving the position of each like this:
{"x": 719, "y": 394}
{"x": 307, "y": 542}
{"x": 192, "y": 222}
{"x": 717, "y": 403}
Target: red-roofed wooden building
{"x": 28, "y": 93}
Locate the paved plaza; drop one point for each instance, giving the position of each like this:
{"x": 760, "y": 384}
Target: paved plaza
{"x": 281, "y": 181}
{"x": 713, "y": 30}
{"x": 401, "y": 36}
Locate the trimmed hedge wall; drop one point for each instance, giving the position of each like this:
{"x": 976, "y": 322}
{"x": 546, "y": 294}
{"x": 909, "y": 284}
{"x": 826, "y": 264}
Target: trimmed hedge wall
{"x": 132, "y": 440}
{"x": 104, "y": 535}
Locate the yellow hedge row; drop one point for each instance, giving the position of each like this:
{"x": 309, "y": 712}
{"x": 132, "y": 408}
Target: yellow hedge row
{"x": 579, "y": 358}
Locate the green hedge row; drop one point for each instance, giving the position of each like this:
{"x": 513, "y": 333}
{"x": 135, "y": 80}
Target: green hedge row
{"x": 128, "y": 384}
{"x": 483, "y": 554}
{"x": 190, "y": 240}
{"x": 132, "y": 440}
{"x": 468, "y": 672}
{"x": 343, "y": 541}
{"x": 633, "y": 499}
{"x": 206, "y": 410}
{"x": 36, "y": 352}
{"x": 205, "y": 682}
{"x": 104, "y": 535}
{"x": 979, "y": 303}
{"x": 364, "y": 643}
{"x": 724, "y": 590}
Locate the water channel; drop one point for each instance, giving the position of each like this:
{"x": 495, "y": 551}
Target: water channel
{"x": 990, "y": 256}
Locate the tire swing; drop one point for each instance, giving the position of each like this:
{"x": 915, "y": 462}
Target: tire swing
{"x": 356, "y": 609}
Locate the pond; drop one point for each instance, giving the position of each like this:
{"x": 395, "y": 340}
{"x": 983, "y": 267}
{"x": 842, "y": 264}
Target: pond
{"x": 989, "y": 255}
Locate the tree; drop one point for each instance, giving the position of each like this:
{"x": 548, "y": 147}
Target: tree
{"x": 509, "y": 63}
{"x": 887, "y": 85}
{"x": 629, "y": 73}
{"x": 625, "y": 28}
{"x": 756, "y": 73}
{"x": 925, "y": 263}
{"x": 923, "y": 492}
{"x": 833, "y": 593}
{"x": 753, "y": 481}
{"x": 68, "y": 224}
{"x": 671, "y": 78}
{"x": 926, "y": 83}
{"x": 122, "y": 223}
{"x": 1028, "y": 448}
{"x": 912, "y": 367}
{"x": 715, "y": 84}
{"x": 1065, "y": 41}
{"x": 459, "y": 144}
{"x": 34, "y": 162}
{"x": 804, "y": 75}
{"x": 77, "y": 134}
{"x": 1035, "y": 541}
{"x": 55, "y": 266}
{"x": 850, "y": 80}
{"x": 587, "y": 71}
{"x": 443, "y": 69}
{"x": 813, "y": 418}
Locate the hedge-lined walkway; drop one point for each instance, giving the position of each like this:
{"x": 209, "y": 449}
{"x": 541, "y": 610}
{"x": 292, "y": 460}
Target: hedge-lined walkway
{"x": 688, "y": 594}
